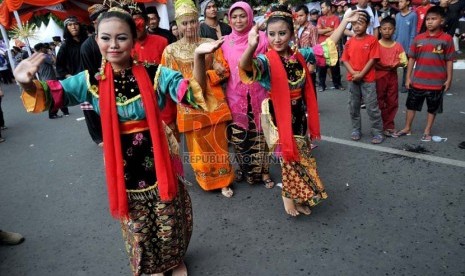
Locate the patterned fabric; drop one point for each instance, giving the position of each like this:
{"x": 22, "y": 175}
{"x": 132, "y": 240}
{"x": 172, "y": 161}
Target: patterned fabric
{"x": 251, "y": 150}
{"x": 301, "y": 182}
{"x": 157, "y": 233}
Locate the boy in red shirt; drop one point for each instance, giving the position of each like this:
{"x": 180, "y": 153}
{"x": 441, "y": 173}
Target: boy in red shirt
{"x": 431, "y": 49}
{"x": 359, "y": 57}
{"x": 392, "y": 56}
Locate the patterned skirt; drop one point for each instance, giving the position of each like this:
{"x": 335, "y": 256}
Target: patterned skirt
{"x": 251, "y": 152}
{"x": 301, "y": 182}
{"x": 157, "y": 234}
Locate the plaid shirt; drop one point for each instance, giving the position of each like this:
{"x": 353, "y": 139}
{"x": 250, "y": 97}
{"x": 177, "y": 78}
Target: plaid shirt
{"x": 308, "y": 37}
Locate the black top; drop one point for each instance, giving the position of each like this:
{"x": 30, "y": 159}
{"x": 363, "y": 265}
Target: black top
{"x": 91, "y": 58}
{"x": 69, "y": 59}
{"x": 209, "y": 32}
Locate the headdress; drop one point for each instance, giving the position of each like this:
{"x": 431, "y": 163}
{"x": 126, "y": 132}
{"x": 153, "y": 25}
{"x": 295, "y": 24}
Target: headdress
{"x": 129, "y": 6}
{"x": 69, "y": 20}
{"x": 96, "y": 10}
{"x": 184, "y": 8}
{"x": 279, "y": 14}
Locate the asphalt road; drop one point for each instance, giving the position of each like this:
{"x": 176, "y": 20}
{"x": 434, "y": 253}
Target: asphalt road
{"x": 393, "y": 209}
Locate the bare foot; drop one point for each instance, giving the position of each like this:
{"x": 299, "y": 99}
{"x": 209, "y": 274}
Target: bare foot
{"x": 158, "y": 274}
{"x": 227, "y": 192}
{"x": 289, "y": 206}
{"x": 303, "y": 209}
{"x": 180, "y": 270}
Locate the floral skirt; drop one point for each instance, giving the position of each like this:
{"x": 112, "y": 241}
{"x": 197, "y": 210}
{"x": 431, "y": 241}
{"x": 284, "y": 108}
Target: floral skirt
{"x": 301, "y": 182}
{"x": 157, "y": 234}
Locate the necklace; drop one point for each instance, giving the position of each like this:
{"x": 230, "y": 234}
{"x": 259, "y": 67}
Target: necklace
{"x": 121, "y": 72}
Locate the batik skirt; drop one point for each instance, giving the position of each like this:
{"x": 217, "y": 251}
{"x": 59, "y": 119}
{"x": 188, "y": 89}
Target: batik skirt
{"x": 301, "y": 182}
{"x": 157, "y": 234}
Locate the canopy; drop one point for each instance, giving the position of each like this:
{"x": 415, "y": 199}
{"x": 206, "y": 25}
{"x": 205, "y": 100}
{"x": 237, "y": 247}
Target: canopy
{"x": 60, "y": 8}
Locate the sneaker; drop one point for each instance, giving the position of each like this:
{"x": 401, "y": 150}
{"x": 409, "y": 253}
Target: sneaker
{"x": 332, "y": 87}
{"x": 3, "y": 127}
{"x": 10, "y": 238}
{"x": 2, "y": 140}
{"x": 55, "y": 116}
{"x": 66, "y": 115}
{"x": 356, "y": 135}
{"x": 377, "y": 139}
{"x": 363, "y": 106}
{"x": 321, "y": 89}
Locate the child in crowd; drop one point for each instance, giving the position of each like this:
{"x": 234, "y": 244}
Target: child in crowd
{"x": 359, "y": 57}
{"x": 406, "y": 21}
{"x": 431, "y": 49}
{"x": 391, "y": 56}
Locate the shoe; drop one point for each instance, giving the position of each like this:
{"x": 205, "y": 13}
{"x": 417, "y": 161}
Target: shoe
{"x": 55, "y": 116}
{"x": 363, "y": 106}
{"x": 401, "y": 133}
{"x": 2, "y": 140}
{"x": 268, "y": 183}
{"x": 462, "y": 145}
{"x": 332, "y": 87}
{"x": 10, "y": 238}
{"x": 227, "y": 192}
{"x": 426, "y": 137}
{"x": 377, "y": 139}
{"x": 3, "y": 127}
{"x": 321, "y": 89}
{"x": 239, "y": 176}
{"x": 66, "y": 115}
{"x": 100, "y": 144}
{"x": 356, "y": 135}
{"x": 340, "y": 88}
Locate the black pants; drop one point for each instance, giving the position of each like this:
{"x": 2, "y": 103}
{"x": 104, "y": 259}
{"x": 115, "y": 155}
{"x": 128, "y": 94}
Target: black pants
{"x": 93, "y": 125}
{"x": 335, "y": 73}
{"x": 2, "y": 120}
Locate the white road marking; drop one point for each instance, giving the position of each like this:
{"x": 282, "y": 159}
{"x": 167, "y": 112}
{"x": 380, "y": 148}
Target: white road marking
{"x": 415, "y": 155}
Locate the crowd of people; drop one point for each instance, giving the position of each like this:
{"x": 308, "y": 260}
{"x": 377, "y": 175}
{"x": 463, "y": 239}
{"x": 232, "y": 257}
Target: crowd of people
{"x": 141, "y": 87}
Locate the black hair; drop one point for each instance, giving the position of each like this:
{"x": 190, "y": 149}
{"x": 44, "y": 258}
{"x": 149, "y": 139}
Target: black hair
{"x": 152, "y": 10}
{"x": 126, "y": 17}
{"x": 302, "y": 7}
{"x": 38, "y": 47}
{"x": 327, "y": 3}
{"x": 68, "y": 36}
{"x": 436, "y": 10}
{"x": 287, "y": 19}
{"x": 388, "y": 20}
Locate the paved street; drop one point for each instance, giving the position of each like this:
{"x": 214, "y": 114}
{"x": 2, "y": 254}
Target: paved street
{"x": 393, "y": 209}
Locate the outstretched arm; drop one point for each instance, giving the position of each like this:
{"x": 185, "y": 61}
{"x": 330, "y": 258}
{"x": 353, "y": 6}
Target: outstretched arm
{"x": 199, "y": 60}
{"x": 246, "y": 60}
{"x": 25, "y": 71}
{"x": 352, "y": 16}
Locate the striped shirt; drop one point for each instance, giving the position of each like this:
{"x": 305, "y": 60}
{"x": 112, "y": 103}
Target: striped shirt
{"x": 431, "y": 54}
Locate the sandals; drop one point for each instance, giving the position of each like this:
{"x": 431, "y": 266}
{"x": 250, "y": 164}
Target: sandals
{"x": 426, "y": 137}
{"x": 390, "y": 133}
{"x": 356, "y": 135}
{"x": 377, "y": 139}
{"x": 403, "y": 133}
{"x": 239, "y": 176}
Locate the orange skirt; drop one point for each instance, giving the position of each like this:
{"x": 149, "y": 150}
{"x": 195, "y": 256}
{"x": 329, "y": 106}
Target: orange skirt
{"x": 209, "y": 156}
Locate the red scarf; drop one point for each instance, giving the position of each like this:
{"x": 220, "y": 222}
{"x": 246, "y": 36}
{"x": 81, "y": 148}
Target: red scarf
{"x": 167, "y": 184}
{"x": 281, "y": 98}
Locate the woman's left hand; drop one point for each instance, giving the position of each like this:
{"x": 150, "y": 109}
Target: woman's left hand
{"x": 208, "y": 47}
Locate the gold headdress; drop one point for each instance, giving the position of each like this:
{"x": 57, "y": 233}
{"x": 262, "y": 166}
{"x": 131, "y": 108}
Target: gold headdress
{"x": 185, "y": 7}
{"x": 130, "y": 6}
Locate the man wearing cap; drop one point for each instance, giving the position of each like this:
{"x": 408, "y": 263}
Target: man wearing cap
{"x": 153, "y": 25}
{"x": 212, "y": 27}
{"x": 314, "y": 14}
{"x": 91, "y": 60}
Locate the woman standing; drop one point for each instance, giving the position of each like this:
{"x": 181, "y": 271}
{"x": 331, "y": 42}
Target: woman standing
{"x": 145, "y": 195}
{"x": 205, "y": 131}
{"x": 245, "y": 100}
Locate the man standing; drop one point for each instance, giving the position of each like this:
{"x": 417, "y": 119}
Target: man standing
{"x": 374, "y": 20}
{"x": 306, "y": 34}
{"x": 153, "y": 25}
{"x": 314, "y": 14}
{"x": 326, "y": 25}
{"x": 212, "y": 27}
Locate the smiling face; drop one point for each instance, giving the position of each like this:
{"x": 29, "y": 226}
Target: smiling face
{"x": 154, "y": 21}
{"x": 279, "y": 35}
{"x": 115, "y": 42}
{"x": 239, "y": 20}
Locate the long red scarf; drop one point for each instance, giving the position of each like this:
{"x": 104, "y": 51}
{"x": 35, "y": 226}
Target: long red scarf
{"x": 281, "y": 98}
{"x": 114, "y": 168}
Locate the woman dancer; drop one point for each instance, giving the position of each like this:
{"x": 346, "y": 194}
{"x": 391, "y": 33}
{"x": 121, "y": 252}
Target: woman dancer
{"x": 292, "y": 98}
{"x": 205, "y": 131}
{"x": 245, "y": 99}
{"x": 152, "y": 204}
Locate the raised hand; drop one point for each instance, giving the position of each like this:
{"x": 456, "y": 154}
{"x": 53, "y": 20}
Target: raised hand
{"x": 355, "y": 15}
{"x": 209, "y": 47}
{"x": 26, "y": 69}
{"x": 254, "y": 36}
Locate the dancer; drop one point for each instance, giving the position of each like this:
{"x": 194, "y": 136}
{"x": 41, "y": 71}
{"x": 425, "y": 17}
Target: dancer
{"x": 205, "y": 132}
{"x": 291, "y": 99}
{"x": 153, "y": 206}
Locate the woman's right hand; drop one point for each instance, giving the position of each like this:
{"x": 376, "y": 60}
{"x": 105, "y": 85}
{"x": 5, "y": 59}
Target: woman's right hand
{"x": 254, "y": 36}
{"x": 26, "y": 69}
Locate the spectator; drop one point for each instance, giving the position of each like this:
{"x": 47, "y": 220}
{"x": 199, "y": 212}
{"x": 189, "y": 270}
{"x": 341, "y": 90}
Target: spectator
{"x": 421, "y": 12}
{"x": 212, "y": 27}
{"x": 372, "y": 28}
{"x": 153, "y": 25}
{"x": 174, "y": 30}
{"x": 314, "y": 14}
